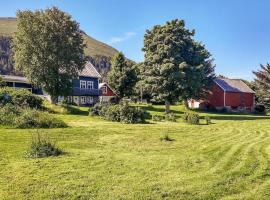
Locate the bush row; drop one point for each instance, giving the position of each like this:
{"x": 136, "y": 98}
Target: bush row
{"x": 119, "y": 112}
{"x": 20, "y": 97}
{"x": 17, "y": 117}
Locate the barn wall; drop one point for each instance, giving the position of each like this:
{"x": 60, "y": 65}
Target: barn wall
{"x": 216, "y": 98}
{"x": 239, "y": 99}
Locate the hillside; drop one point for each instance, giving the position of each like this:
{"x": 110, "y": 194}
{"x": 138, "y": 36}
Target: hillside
{"x": 94, "y": 47}
{"x": 99, "y": 52}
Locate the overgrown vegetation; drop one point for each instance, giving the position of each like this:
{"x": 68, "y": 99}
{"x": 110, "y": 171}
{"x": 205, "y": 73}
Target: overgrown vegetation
{"x": 18, "y": 117}
{"x": 191, "y": 118}
{"x": 119, "y": 112}
{"x": 42, "y": 146}
{"x": 20, "y": 97}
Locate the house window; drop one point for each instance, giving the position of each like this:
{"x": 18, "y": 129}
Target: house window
{"x": 69, "y": 99}
{"x": 83, "y": 100}
{"x": 83, "y": 84}
{"x": 104, "y": 90}
{"x": 90, "y": 100}
{"x": 76, "y": 100}
{"x": 90, "y": 85}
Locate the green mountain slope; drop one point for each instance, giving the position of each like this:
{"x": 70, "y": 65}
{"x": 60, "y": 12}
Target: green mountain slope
{"x": 94, "y": 47}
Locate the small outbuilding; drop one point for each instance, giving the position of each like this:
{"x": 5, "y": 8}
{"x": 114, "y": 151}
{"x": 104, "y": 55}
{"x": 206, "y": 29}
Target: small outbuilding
{"x": 107, "y": 92}
{"x": 231, "y": 94}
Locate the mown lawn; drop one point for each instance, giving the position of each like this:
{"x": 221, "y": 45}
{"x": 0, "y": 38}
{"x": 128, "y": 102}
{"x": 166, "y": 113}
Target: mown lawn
{"x": 229, "y": 159}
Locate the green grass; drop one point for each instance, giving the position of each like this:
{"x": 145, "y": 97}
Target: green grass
{"x": 228, "y": 159}
{"x": 93, "y": 47}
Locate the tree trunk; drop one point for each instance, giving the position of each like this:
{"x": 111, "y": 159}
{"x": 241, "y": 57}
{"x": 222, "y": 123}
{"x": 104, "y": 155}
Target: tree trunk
{"x": 167, "y": 107}
{"x": 186, "y": 104}
{"x": 54, "y": 99}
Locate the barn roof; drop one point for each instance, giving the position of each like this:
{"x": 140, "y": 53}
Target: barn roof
{"x": 89, "y": 71}
{"x": 233, "y": 85}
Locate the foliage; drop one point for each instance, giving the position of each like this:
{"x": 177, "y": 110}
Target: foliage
{"x": 259, "y": 108}
{"x": 176, "y": 66}
{"x": 122, "y": 77}
{"x": 41, "y": 146}
{"x": 157, "y": 118}
{"x": 170, "y": 117}
{"x": 207, "y": 120}
{"x": 20, "y": 97}
{"x": 191, "y": 118}
{"x": 17, "y": 117}
{"x": 48, "y": 49}
{"x": 2, "y": 83}
{"x": 262, "y": 85}
{"x": 119, "y": 112}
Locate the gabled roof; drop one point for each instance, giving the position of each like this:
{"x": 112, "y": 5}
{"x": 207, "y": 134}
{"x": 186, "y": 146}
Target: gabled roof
{"x": 89, "y": 71}
{"x": 20, "y": 79}
{"x": 233, "y": 85}
{"x": 100, "y": 85}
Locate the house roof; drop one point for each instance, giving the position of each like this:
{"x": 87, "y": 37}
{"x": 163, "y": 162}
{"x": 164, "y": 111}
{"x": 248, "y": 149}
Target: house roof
{"x": 14, "y": 78}
{"x": 89, "y": 71}
{"x": 103, "y": 84}
{"x": 233, "y": 85}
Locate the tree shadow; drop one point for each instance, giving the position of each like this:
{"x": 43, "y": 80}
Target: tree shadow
{"x": 162, "y": 110}
{"x": 239, "y": 117}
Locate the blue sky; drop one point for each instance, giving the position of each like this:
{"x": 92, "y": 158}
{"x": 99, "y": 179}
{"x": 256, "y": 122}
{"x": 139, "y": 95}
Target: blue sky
{"x": 236, "y": 32}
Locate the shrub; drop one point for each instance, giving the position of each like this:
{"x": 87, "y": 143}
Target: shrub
{"x": 157, "y": 118}
{"x": 96, "y": 109}
{"x": 207, "y": 120}
{"x": 259, "y": 108}
{"x": 170, "y": 117}
{"x": 191, "y": 118}
{"x": 41, "y": 146}
{"x": 28, "y": 118}
{"x": 119, "y": 112}
{"x": 20, "y": 97}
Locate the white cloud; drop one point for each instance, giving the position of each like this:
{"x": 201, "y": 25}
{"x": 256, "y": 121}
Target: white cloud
{"x": 125, "y": 37}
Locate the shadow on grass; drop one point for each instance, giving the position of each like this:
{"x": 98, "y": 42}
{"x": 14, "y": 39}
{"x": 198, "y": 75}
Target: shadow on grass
{"x": 240, "y": 117}
{"x": 162, "y": 110}
{"x": 72, "y": 110}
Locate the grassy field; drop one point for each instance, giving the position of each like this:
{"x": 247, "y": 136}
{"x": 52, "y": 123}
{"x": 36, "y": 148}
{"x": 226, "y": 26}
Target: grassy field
{"x": 229, "y": 159}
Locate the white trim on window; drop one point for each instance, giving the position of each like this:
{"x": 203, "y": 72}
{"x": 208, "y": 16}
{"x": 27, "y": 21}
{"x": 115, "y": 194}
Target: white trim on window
{"x": 104, "y": 89}
{"x": 82, "y": 84}
{"x": 90, "y": 84}
{"x": 83, "y": 99}
{"x": 90, "y": 99}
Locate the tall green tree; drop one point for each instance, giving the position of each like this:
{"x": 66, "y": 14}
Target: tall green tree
{"x": 122, "y": 77}
{"x": 176, "y": 66}
{"x": 48, "y": 49}
{"x": 261, "y": 85}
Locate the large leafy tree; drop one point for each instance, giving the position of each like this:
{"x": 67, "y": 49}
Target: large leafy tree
{"x": 176, "y": 66}
{"x": 261, "y": 85}
{"x": 48, "y": 49}
{"x": 122, "y": 77}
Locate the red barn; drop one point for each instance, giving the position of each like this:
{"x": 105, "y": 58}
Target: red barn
{"x": 232, "y": 94}
{"x": 106, "y": 92}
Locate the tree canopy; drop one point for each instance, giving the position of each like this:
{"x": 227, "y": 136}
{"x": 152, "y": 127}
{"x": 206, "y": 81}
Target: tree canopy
{"x": 48, "y": 49}
{"x": 176, "y": 66}
{"x": 122, "y": 76}
{"x": 261, "y": 85}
